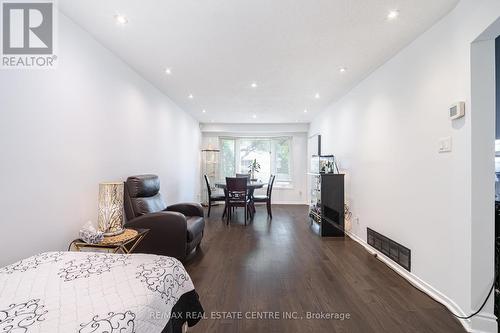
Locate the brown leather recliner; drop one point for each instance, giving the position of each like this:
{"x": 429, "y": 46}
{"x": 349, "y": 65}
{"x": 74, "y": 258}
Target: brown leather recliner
{"x": 175, "y": 230}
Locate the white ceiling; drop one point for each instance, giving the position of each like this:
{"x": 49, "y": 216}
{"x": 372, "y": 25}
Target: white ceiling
{"x": 292, "y": 49}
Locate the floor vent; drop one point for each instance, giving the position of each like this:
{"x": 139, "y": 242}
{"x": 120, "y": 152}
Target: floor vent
{"x": 397, "y": 252}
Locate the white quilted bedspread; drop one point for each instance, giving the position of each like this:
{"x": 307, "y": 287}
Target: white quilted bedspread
{"x": 90, "y": 292}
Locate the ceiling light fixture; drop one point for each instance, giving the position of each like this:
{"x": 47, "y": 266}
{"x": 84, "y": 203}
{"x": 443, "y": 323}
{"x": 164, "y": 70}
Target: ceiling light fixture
{"x": 305, "y": 111}
{"x": 316, "y": 96}
{"x": 121, "y": 19}
{"x": 168, "y": 71}
{"x": 190, "y": 96}
{"x": 342, "y": 69}
{"x": 254, "y": 116}
{"x": 393, "y": 14}
{"x": 254, "y": 84}
{"x": 203, "y": 111}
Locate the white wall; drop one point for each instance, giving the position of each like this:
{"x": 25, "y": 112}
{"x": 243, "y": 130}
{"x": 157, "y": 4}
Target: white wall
{"x": 482, "y": 171}
{"x": 385, "y": 134}
{"x": 295, "y": 194}
{"x": 63, "y": 131}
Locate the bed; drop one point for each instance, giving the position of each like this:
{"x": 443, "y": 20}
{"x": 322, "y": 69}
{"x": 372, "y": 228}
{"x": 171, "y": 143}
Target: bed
{"x": 97, "y": 292}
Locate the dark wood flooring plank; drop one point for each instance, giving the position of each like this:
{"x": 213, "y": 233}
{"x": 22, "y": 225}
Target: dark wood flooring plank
{"x": 280, "y": 266}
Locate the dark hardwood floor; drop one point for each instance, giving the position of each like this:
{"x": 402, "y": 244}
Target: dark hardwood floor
{"x": 281, "y": 266}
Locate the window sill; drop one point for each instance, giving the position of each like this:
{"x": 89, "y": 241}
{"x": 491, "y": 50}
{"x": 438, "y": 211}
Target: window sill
{"x": 284, "y": 186}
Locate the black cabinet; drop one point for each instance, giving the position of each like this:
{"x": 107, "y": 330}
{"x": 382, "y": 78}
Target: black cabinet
{"x": 326, "y": 210}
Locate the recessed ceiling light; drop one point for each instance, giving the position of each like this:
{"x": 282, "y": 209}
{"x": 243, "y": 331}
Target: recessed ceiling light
{"x": 168, "y": 71}
{"x": 190, "y": 96}
{"x": 203, "y": 111}
{"x": 316, "y": 96}
{"x": 121, "y": 19}
{"x": 254, "y": 84}
{"x": 393, "y": 14}
{"x": 305, "y": 110}
{"x": 254, "y": 116}
{"x": 342, "y": 69}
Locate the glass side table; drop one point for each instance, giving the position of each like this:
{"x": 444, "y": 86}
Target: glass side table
{"x": 125, "y": 242}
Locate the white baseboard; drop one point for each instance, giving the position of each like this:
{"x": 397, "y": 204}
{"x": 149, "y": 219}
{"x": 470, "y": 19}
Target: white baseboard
{"x": 482, "y": 323}
{"x": 274, "y": 203}
{"x": 289, "y": 203}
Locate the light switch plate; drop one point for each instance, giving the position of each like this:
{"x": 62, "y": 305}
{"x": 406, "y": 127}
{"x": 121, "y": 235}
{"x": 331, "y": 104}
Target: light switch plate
{"x": 445, "y": 145}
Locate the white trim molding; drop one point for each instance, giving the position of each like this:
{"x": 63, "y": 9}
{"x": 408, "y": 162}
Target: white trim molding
{"x": 287, "y": 202}
{"x": 482, "y": 322}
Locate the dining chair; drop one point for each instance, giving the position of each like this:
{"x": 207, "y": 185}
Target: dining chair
{"x": 244, "y": 175}
{"x": 250, "y": 190}
{"x": 213, "y": 197}
{"x": 266, "y": 198}
{"x": 237, "y": 196}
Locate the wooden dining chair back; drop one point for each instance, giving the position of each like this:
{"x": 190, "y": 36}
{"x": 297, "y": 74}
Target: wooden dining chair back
{"x": 209, "y": 188}
{"x": 237, "y": 195}
{"x": 270, "y": 185}
{"x": 267, "y": 198}
{"x": 212, "y": 197}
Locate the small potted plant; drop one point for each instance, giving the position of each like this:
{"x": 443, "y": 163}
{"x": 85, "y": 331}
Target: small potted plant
{"x": 253, "y": 168}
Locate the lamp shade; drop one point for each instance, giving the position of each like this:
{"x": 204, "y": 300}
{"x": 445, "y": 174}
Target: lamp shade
{"x": 110, "y": 211}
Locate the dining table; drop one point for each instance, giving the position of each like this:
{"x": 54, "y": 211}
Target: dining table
{"x": 252, "y": 185}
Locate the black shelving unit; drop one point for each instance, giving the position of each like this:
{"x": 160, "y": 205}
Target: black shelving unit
{"x": 326, "y": 211}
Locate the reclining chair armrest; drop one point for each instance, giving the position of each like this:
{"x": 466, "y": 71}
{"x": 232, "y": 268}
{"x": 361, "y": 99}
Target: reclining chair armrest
{"x": 188, "y": 209}
{"x": 167, "y": 235}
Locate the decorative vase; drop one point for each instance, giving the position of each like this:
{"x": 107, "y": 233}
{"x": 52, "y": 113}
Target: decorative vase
{"x": 110, "y": 211}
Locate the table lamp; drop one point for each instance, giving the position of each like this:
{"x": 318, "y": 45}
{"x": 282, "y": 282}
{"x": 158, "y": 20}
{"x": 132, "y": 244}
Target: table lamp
{"x": 110, "y": 211}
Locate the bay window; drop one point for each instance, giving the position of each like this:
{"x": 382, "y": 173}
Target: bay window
{"x": 273, "y": 154}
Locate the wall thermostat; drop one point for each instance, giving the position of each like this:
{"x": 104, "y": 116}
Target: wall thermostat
{"x": 457, "y": 110}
